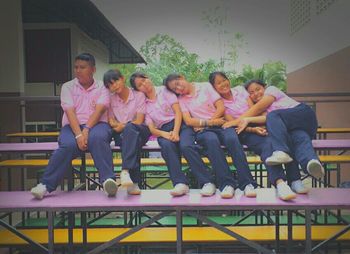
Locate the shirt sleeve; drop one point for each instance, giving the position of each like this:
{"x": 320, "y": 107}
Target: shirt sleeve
{"x": 274, "y": 91}
{"x": 104, "y": 98}
{"x": 141, "y": 102}
{"x": 212, "y": 95}
{"x": 183, "y": 106}
{"x": 170, "y": 97}
{"x": 67, "y": 101}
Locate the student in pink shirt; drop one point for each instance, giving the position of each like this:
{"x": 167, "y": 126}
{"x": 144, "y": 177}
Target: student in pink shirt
{"x": 291, "y": 125}
{"x": 237, "y": 102}
{"x": 164, "y": 118}
{"x": 84, "y": 128}
{"x": 203, "y": 109}
{"x": 126, "y": 117}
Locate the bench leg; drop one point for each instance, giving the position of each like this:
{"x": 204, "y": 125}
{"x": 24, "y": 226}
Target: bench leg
{"x": 308, "y": 242}
{"x": 178, "y": 231}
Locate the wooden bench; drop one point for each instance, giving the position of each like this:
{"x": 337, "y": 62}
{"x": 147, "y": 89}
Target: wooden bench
{"x": 162, "y": 204}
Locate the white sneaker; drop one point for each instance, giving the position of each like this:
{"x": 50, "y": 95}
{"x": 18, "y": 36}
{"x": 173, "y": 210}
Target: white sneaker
{"x": 110, "y": 187}
{"x": 179, "y": 190}
{"x": 125, "y": 179}
{"x": 277, "y": 158}
{"x": 298, "y": 187}
{"x": 284, "y": 192}
{"x": 249, "y": 191}
{"x": 315, "y": 168}
{"x": 134, "y": 189}
{"x": 208, "y": 189}
{"x": 39, "y": 191}
{"x": 227, "y": 192}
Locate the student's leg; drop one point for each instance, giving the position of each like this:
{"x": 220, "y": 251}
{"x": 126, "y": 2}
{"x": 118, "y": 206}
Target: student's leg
{"x": 261, "y": 146}
{"x": 302, "y": 147}
{"x": 211, "y": 143}
{"x": 278, "y": 132}
{"x": 301, "y": 117}
{"x": 229, "y": 138}
{"x": 61, "y": 159}
{"x": 171, "y": 153}
{"x": 99, "y": 146}
{"x": 190, "y": 151}
{"x": 133, "y": 138}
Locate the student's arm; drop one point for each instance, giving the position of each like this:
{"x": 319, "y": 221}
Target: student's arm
{"x": 177, "y": 122}
{"x": 248, "y": 120}
{"x": 158, "y": 133}
{"x": 75, "y": 126}
{"x": 255, "y": 110}
{"x": 116, "y": 126}
{"x": 140, "y": 117}
{"x": 93, "y": 120}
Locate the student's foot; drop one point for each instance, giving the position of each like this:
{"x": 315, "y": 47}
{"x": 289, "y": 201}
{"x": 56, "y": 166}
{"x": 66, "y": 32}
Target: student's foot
{"x": 134, "y": 189}
{"x": 284, "y": 192}
{"x": 315, "y": 168}
{"x": 110, "y": 187}
{"x": 125, "y": 179}
{"x": 227, "y": 192}
{"x": 208, "y": 189}
{"x": 179, "y": 190}
{"x": 298, "y": 187}
{"x": 249, "y": 191}
{"x": 278, "y": 158}
{"x": 39, "y": 191}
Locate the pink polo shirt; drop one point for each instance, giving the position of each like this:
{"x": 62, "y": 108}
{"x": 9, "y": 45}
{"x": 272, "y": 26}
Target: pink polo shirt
{"x": 239, "y": 102}
{"x": 126, "y": 111}
{"x": 282, "y": 101}
{"x": 84, "y": 101}
{"x": 160, "y": 111}
{"x": 202, "y": 103}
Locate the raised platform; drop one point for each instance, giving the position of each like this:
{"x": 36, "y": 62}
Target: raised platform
{"x": 161, "y": 200}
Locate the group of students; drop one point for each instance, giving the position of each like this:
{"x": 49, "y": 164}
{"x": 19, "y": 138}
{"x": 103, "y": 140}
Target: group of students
{"x": 189, "y": 119}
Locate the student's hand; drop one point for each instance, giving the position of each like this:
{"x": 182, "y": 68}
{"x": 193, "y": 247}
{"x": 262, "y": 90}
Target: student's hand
{"x": 166, "y": 135}
{"x": 242, "y": 125}
{"x": 85, "y": 133}
{"x": 230, "y": 124}
{"x": 119, "y": 127}
{"x": 216, "y": 122}
{"x": 174, "y": 136}
{"x": 198, "y": 129}
{"x": 260, "y": 131}
{"x": 81, "y": 143}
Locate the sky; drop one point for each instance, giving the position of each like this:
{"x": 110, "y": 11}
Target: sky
{"x": 265, "y": 26}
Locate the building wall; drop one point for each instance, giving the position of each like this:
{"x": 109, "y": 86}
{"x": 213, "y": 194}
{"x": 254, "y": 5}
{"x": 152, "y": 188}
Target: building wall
{"x": 328, "y": 75}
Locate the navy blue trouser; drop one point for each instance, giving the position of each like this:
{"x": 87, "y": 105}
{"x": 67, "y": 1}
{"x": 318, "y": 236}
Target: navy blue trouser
{"x": 172, "y": 155}
{"x": 212, "y": 138}
{"x": 291, "y": 130}
{"x": 192, "y": 153}
{"x": 131, "y": 140}
{"x": 261, "y": 145}
{"x": 61, "y": 159}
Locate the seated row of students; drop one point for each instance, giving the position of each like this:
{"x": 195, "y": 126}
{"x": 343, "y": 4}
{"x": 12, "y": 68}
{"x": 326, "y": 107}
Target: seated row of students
{"x": 209, "y": 112}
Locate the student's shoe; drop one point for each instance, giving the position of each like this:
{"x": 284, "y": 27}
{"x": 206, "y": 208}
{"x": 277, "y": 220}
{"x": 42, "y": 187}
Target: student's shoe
{"x": 249, "y": 191}
{"x": 298, "y": 187}
{"x": 208, "y": 189}
{"x": 134, "y": 189}
{"x": 110, "y": 187}
{"x": 227, "y": 192}
{"x": 125, "y": 179}
{"x": 284, "y": 192}
{"x": 179, "y": 190}
{"x": 278, "y": 158}
{"x": 315, "y": 168}
{"x": 39, "y": 191}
